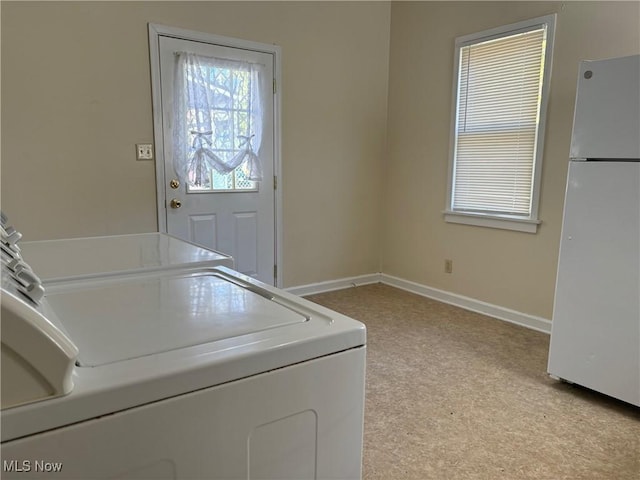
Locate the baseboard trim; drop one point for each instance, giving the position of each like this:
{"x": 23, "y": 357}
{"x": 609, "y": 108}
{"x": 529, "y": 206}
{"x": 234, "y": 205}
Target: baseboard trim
{"x": 501, "y": 313}
{"x": 331, "y": 285}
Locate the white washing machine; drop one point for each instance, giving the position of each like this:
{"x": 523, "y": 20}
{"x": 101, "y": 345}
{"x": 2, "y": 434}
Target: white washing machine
{"x": 98, "y": 256}
{"x": 190, "y": 373}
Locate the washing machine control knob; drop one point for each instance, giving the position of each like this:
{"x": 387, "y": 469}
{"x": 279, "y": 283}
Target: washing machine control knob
{"x": 10, "y": 236}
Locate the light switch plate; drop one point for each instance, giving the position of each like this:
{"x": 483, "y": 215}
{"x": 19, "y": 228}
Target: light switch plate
{"x": 144, "y": 151}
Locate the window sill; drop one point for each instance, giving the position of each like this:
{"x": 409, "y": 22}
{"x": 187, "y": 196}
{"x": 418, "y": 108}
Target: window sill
{"x": 504, "y": 222}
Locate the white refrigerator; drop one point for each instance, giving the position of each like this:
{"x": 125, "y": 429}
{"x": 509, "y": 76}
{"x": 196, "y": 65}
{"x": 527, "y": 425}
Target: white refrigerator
{"x": 595, "y": 333}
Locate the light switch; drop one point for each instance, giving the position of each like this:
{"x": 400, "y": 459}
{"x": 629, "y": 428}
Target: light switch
{"x": 144, "y": 151}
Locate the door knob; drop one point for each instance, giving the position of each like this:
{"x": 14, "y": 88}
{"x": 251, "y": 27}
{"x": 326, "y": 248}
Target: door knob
{"x": 175, "y": 203}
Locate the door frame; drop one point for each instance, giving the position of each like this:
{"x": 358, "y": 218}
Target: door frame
{"x": 155, "y": 32}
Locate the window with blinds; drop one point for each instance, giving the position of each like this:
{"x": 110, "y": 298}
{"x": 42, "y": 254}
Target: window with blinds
{"x": 502, "y": 78}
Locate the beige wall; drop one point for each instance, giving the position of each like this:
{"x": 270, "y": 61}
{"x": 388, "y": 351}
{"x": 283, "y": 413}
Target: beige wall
{"x": 511, "y": 269}
{"x": 76, "y": 98}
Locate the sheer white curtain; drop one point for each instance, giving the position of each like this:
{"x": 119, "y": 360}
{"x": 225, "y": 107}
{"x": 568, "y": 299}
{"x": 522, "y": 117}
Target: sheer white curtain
{"x": 218, "y": 117}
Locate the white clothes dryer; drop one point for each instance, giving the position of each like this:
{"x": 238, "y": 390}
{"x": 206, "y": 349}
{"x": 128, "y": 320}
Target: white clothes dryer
{"x": 190, "y": 373}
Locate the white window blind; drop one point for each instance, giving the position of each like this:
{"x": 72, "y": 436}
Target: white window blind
{"x": 498, "y": 111}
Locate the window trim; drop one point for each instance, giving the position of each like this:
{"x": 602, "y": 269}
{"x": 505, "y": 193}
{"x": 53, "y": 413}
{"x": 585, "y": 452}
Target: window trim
{"x": 508, "y": 222}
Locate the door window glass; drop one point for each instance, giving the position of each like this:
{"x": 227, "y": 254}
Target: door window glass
{"x": 218, "y": 124}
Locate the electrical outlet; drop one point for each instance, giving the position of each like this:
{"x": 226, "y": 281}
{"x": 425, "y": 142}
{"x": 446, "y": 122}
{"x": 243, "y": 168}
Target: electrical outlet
{"x": 448, "y": 266}
{"x": 144, "y": 151}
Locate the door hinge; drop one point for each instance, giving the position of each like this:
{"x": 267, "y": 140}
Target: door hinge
{"x": 275, "y": 88}
{"x": 275, "y": 273}
{"x": 275, "y": 182}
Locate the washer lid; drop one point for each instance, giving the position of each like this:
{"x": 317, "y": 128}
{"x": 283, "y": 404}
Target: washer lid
{"x": 135, "y": 316}
{"x": 87, "y": 257}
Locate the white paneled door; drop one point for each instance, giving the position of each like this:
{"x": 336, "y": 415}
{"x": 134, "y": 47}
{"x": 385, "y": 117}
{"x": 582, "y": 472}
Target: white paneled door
{"x": 208, "y": 200}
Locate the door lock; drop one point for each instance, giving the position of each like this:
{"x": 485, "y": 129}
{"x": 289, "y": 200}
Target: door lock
{"x": 175, "y": 203}
{"x": 174, "y": 183}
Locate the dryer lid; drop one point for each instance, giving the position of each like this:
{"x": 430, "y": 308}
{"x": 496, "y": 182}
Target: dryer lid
{"x": 136, "y": 316}
{"x": 92, "y": 256}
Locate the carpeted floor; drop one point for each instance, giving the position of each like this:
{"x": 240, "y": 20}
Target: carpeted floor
{"x": 452, "y": 394}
